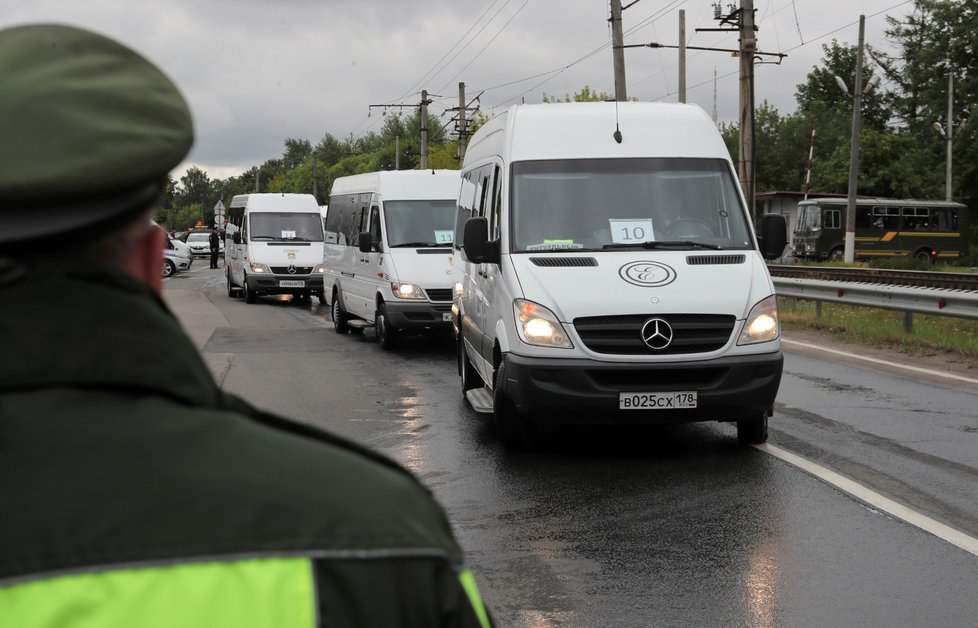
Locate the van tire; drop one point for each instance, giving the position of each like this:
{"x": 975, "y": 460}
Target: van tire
{"x": 246, "y": 292}
{"x": 386, "y": 335}
{"x": 470, "y": 377}
{"x": 514, "y": 432}
{"x": 340, "y": 321}
{"x": 233, "y": 291}
{"x": 752, "y": 431}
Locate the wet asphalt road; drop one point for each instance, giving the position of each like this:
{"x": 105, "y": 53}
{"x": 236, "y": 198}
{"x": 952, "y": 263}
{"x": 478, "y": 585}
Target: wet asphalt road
{"x": 672, "y": 526}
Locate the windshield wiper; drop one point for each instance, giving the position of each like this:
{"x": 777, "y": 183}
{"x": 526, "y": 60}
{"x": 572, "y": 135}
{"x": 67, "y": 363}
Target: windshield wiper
{"x": 651, "y": 244}
{"x": 418, "y": 244}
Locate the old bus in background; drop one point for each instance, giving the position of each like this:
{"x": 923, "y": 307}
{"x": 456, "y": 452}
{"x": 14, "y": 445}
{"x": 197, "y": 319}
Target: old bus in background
{"x": 925, "y": 230}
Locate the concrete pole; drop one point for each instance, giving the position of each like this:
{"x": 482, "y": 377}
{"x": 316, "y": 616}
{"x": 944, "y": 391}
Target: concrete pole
{"x": 617, "y": 50}
{"x": 682, "y": 55}
{"x": 748, "y": 44}
{"x": 462, "y": 133}
{"x": 315, "y": 178}
{"x": 949, "y": 127}
{"x": 424, "y": 129}
{"x": 257, "y": 177}
{"x": 857, "y": 91}
{"x": 397, "y": 152}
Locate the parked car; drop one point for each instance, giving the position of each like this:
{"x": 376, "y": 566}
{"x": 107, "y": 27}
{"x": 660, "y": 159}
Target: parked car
{"x": 200, "y": 245}
{"x": 176, "y": 257}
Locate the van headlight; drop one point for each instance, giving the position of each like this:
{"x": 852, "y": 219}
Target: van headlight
{"x": 407, "y": 291}
{"x": 539, "y": 326}
{"x": 260, "y": 268}
{"x": 320, "y": 268}
{"x": 762, "y": 323}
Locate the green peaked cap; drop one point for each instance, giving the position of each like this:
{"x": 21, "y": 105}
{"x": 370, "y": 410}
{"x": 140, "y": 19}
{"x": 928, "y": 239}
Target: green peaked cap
{"x": 89, "y": 130}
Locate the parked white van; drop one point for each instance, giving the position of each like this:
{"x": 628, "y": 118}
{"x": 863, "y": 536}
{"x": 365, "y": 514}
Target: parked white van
{"x": 276, "y": 246}
{"x": 388, "y": 243}
{"x": 609, "y": 273}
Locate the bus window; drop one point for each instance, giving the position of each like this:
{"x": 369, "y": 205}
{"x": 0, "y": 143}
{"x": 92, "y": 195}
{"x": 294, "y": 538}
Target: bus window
{"x": 864, "y": 218}
{"x": 886, "y": 218}
{"x": 916, "y": 219}
{"x": 946, "y": 219}
{"x": 833, "y": 219}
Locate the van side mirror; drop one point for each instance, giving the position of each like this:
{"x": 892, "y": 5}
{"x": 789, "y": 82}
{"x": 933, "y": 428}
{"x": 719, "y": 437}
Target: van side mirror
{"x": 366, "y": 242}
{"x": 236, "y": 237}
{"x": 475, "y": 242}
{"x": 773, "y": 236}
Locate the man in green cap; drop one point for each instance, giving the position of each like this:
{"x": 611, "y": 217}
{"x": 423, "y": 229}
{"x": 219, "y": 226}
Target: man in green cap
{"x": 133, "y": 490}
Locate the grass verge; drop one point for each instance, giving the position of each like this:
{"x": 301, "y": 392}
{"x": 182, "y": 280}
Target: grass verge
{"x": 931, "y": 335}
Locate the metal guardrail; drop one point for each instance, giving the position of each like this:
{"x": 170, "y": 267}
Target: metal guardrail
{"x": 912, "y": 278}
{"x": 939, "y": 301}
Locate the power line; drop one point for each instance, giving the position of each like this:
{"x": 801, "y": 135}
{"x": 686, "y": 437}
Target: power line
{"x": 418, "y": 83}
{"x": 483, "y": 49}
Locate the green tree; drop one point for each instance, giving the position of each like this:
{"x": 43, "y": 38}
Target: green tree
{"x": 585, "y": 95}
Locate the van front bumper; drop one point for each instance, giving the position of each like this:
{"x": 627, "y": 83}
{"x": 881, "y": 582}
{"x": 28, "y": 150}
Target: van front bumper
{"x": 418, "y": 316}
{"x": 587, "y": 391}
{"x": 270, "y": 284}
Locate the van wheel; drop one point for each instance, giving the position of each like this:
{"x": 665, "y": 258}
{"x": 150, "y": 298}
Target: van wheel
{"x": 340, "y": 321}
{"x": 514, "y": 432}
{"x": 470, "y": 377}
{"x": 232, "y": 289}
{"x": 246, "y": 292}
{"x": 386, "y": 335}
{"x": 752, "y": 431}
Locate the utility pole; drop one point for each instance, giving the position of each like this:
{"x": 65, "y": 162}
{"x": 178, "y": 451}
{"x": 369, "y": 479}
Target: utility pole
{"x": 850, "y": 244}
{"x": 397, "y": 152}
{"x": 315, "y": 178}
{"x": 424, "y": 129}
{"x": 682, "y": 55}
{"x": 618, "y": 51}
{"x": 950, "y": 131}
{"x": 462, "y": 131}
{"x": 748, "y": 44}
{"x": 257, "y": 176}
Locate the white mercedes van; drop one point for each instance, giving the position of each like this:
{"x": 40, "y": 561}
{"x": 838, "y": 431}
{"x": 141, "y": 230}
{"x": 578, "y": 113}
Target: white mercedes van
{"x": 607, "y": 271}
{"x": 388, "y": 242}
{"x": 276, "y": 246}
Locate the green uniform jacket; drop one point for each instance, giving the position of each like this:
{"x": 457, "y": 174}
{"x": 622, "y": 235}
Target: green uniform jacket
{"x": 135, "y": 492}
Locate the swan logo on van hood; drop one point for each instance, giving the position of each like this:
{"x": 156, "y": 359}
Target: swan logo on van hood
{"x": 647, "y": 274}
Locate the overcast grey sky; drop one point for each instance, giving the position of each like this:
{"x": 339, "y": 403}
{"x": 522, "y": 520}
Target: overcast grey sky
{"x": 257, "y": 72}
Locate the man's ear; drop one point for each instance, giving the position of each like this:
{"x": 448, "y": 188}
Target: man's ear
{"x": 146, "y": 259}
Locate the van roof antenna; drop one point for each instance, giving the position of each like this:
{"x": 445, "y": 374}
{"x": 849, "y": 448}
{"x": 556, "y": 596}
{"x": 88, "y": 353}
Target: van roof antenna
{"x": 617, "y": 133}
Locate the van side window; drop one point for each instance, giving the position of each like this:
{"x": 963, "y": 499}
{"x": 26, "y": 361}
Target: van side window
{"x": 375, "y": 223}
{"x": 466, "y": 206}
{"x": 336, "y": 219}
{"x": 497, "y": 198}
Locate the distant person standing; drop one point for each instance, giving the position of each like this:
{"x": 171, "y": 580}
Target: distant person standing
{"x": 215, "y": 242}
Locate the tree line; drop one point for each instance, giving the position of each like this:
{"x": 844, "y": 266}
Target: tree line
{"x": 901, "y": 154}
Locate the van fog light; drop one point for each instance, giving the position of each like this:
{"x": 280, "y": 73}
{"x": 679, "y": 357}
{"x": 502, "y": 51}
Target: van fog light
{"x": 539, "y": 326}
{"x": 762, "y": 323}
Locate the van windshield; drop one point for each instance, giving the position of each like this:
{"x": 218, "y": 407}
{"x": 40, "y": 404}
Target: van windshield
{"x": 286, "y": 226}
{"x": 419, "y": 223}
{"x": 606, "y": 204}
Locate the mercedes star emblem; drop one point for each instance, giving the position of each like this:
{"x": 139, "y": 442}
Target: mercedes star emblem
{"x": 656, "y": 334}
{"x": 291, "y": 269}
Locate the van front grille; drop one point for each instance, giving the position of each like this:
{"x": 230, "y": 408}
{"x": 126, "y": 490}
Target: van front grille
{"x": 439, "y": 294}
{"x": 700, "y": 260}
{"x": 622, "y": 335}
{"x": 564, "y": 262}
{"x": 284, "y": 270}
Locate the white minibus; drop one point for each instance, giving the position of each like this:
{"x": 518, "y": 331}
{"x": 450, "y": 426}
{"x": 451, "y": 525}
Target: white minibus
{"x": 388, "y": 245}
{"x": 275, "y": 247}
{"x": 607, "y": 271}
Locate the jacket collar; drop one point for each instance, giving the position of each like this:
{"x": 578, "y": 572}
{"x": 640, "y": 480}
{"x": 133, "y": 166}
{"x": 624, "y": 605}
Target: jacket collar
{"x": 95, "y": 327}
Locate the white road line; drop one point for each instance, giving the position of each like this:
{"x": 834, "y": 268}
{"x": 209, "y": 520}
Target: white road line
{"x": 860, "y": 492}
{"x": 907, "y": 367}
